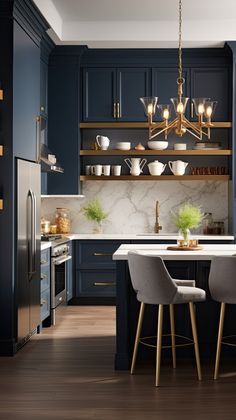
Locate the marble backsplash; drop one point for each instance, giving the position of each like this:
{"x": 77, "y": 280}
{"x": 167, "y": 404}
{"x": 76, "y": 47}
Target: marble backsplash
{"x": 131, "y": 204}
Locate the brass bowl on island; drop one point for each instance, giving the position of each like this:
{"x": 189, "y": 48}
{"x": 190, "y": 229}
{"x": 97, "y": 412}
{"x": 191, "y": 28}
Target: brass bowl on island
{"x": 157, "y": 144}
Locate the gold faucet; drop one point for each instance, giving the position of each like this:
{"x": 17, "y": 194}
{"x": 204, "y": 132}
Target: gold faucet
{"x": 158, "y": 227}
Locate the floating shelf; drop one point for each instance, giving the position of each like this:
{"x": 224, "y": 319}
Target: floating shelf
{"x": 1, "y": 204}
{"x": 140, "y": 124}
{"x": 155, "y": 178}
{"x": 1, "y": 150}
{"x": 166, "y": 152}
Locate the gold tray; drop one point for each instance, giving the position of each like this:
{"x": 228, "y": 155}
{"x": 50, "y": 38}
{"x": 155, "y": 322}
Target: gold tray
{"x": 184, "y": 248}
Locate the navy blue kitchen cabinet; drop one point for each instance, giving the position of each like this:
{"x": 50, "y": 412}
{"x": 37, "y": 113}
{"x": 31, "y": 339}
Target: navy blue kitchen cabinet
{"x": 69, "y": 277}
{"x": 164, "y": 86}
{"x": 43, "y": 87}
{"x": 26, "y": 94}
{"x": 95, "y": 270}
{"x": 99, "y": 94}
{"x": 132, "y": 83}
{"x": 213, "y": 83}
{"x": 112, "y": 94}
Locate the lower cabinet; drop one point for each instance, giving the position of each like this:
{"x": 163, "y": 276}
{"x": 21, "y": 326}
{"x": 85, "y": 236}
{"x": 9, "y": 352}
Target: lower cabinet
{"x": 95, "y": 277}
{"x": 45, "y": 284}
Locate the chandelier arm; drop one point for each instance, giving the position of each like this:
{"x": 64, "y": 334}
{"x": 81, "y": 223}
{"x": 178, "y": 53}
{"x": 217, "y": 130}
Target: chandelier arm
{"x": 193, "y": 134}
{"x": 187, "y": 123}
{"x": 169, "y": 127}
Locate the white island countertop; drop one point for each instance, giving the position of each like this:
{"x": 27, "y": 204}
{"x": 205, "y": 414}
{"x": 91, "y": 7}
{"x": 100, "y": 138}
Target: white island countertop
{"x": 207, "y": 253}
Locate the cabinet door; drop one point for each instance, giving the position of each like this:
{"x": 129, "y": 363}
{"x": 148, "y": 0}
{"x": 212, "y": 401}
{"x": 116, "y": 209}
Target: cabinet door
{"x": 99, "y": 94}
{"x": 43, "y": 87}
{"x": 132, "y": 83}
{"x": 212, "y": 83}
{"x": 26, "y": 83}
{"x": 164, "y": 86}
{"x": 95, "y": 283}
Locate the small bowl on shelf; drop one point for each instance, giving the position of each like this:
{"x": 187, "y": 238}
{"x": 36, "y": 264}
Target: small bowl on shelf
{"x": 157, "y": 144}
{"x": 123, "y": 145}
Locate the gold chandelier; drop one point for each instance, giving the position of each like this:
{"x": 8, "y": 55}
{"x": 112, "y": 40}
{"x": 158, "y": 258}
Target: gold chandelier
{"x": 204, "y": 108}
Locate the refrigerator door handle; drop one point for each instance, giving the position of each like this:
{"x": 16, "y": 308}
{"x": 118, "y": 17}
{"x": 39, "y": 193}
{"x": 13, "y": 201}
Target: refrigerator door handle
{"x": 34, "y": 233}
{"x": 32, "y": 239}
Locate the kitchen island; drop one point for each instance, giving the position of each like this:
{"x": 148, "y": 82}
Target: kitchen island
{"x": 181, "y": 265}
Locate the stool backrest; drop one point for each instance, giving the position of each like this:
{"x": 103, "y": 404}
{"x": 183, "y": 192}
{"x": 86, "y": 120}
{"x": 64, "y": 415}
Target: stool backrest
{"x": 222, "y": 279}
{"x": 150, "y": 279}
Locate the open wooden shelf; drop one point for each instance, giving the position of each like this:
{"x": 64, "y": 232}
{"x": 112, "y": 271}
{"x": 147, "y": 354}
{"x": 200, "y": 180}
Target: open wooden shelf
{"x": 1, "y": 150}
{"x": 155, "y": 178}
{"x": 224, "y": 124}
{"x": 112, "y": 152}
{"x": 1, "y": 204}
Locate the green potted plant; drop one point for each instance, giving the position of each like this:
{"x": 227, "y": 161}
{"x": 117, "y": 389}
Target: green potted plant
{"x": 93, "y": 211}
{"x": 188, "y": 216}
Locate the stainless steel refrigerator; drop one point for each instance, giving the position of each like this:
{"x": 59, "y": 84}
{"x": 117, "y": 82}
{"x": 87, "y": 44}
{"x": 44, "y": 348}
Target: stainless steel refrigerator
{"x": 28, "y": 249}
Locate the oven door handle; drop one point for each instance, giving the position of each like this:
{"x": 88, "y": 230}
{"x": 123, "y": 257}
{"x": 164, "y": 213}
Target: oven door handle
{"x": 62, "y": 260}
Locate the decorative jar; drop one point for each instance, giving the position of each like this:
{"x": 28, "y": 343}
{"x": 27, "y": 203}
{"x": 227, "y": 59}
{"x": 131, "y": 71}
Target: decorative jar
{"x": 62, "y": 220}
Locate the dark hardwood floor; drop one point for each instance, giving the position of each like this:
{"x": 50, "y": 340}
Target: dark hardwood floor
{"x": 67, "y": 373}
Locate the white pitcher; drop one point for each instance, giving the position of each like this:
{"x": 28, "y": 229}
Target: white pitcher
{"x": 177, "y": 167}
{"x": 103, "y": 142}
{"x": 156, "y": 167}
{"x": 135, "y": 165}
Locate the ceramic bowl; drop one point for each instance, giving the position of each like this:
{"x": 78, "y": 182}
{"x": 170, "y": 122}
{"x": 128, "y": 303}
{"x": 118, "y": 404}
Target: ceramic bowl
{"x": 123, "y": 145}
{"x": 157, "y": 144}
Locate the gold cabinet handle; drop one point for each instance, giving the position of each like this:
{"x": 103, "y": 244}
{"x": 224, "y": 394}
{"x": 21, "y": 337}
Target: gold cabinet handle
{"x": 191, "y": 110}
{"x": 43, "y": 276}
{"x": 101, "y": 254}
{"x": 118, "y": 110}
{"x": 1, "y": 94}
{"x": 104, "y": 283}
{"x": 114, "y": 111}
{"x": 43, "y": 302}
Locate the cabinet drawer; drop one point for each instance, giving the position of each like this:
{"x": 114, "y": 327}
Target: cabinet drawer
{"x": 92, "y": 283}
{"x": 45, "y": 257}
{"x": 45, "y": 304}
{"x": 92, "y": 254}
{"x": 44, "y": 277}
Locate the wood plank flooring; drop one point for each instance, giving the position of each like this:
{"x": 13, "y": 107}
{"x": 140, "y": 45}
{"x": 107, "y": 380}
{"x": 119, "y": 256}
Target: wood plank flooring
{"x": 67, "y": 373}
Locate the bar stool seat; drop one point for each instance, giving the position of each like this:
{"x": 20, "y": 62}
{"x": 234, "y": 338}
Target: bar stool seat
{"x": 154, "y": 285}
{"x": 222, "y": 284}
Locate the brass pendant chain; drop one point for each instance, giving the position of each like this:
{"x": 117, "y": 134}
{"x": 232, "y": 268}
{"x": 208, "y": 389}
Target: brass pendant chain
{"x": 180, "y": 40}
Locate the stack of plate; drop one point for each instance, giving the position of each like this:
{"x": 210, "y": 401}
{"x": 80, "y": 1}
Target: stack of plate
{"x": 207, "y": 145}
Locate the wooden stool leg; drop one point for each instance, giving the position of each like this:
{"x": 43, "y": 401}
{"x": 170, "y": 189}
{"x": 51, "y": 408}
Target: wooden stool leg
{"x": 172, "y": 330}
{"x": 220, "y": 333}
{"x": 138, "y": 332}
{"x": 159, "y": 340}
{"x": 195, "y": 339}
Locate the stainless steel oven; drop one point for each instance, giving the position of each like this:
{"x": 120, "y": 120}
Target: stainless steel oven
{"x": 60, "y": 255}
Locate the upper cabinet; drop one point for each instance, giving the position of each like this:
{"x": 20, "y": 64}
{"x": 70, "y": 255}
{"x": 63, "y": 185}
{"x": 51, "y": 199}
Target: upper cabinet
{"x": 26, "y": 95}
{"x": 43, "y": 87}
{"x": 212, "y": 83}
{"x": 99, "y": 94}
{"x": 164, "y": 86}
{"x": 112, "y": 94}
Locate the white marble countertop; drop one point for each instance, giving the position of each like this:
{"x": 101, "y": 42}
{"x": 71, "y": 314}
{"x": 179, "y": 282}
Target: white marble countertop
{"x": 207, "y": 253}
{"x": 45, "y": 245}
{"x": 145, "y": 236}
{"x": 137, "y": 237}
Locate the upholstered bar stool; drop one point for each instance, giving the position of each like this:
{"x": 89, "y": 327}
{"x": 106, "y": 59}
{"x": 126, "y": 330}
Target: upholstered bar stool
{"x": 222, "y": 284}
{"x": 154, "y": 285}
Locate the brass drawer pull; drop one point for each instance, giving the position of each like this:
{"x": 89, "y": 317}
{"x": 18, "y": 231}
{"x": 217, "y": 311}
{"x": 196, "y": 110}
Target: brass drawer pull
{"x": 101, "y": 254}
{"x": 104, "y": 283}
{"x": 43, "y": 261}
{"x": 43, "y": 276}
{"x": 43, "y": 302}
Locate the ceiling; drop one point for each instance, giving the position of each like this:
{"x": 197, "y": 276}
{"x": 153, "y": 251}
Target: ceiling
{"x": 139, "y": 24}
